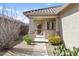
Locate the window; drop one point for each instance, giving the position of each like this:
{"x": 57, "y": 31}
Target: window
{"x": 50, "y": 25}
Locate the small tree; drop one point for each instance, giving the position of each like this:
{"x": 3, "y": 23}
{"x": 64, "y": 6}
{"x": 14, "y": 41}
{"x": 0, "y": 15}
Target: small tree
{"x": 9, "y": 32}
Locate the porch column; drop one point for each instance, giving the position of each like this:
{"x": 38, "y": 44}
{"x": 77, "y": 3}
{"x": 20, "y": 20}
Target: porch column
{"x": 32, "y": 28}
{"x": 57, "y": 25}
{"x": 45, "y": 25}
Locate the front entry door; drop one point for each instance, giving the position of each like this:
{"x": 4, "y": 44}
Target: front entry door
{"x": 39, "y": 29}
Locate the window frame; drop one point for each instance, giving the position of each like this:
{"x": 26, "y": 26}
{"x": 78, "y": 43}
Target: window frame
{"x": 50, "y": 25}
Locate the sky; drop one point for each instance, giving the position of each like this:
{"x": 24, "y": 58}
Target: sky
{"x": 16, "y": 10}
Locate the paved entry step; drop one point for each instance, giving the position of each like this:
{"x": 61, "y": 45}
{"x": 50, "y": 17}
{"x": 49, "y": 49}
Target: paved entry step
{"x": 40, "y": 40}
{"x": 40, "y": 36}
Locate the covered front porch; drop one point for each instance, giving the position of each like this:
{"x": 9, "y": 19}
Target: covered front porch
{"x": 44, "y": 22}
{"x": 44, "y": 26}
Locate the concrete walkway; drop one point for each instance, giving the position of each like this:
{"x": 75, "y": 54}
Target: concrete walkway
{"x": 36, "y": 49}
{"x": 40, "y": 46}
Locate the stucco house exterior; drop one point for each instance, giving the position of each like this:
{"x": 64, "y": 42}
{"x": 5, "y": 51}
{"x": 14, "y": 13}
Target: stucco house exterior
{"x": 70, "y": 25}
{"x": 61, "y": 20}
{"x": 43, "y": 21}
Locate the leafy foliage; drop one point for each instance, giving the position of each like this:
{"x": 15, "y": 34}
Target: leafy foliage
{"x": 62, "y": 51}
{"x": 27, "y": 39}
{"x": 54, "y": 39}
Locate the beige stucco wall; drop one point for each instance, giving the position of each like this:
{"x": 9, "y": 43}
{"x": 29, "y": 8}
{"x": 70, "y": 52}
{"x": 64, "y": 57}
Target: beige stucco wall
{"x": 70, "y": 27}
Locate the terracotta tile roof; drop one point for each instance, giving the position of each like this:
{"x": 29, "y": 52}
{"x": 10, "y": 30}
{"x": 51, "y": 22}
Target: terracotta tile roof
{"x": 43, "y": 11}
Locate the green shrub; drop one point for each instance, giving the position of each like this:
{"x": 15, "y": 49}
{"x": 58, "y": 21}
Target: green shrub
{"x": 27, "y": 39}
{"x": 54, "y": 39}
{"x": 62, "y": 51}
